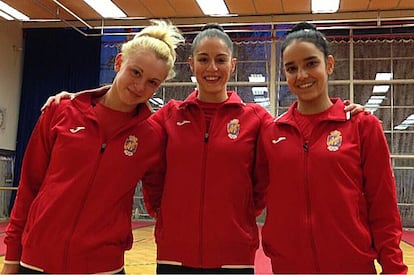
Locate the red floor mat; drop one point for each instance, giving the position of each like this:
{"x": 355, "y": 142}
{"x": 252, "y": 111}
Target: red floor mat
{"x": 2, "y": 234}
{"x": 262, "y": 262}
{"x": 139, "y": 224}
{"x": 408, "y": 236}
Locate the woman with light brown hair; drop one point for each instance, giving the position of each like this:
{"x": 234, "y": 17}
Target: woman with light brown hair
{"x": 73, "y": 208}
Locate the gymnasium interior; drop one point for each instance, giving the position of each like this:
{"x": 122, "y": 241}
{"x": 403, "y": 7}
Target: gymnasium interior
{"x": 48, "y": 46}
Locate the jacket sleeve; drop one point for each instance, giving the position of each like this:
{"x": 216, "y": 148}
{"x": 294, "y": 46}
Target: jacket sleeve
{"x": 261, "y": 173}
{"x": 34, "y": 167}
{"x": 153, "y": 180}
{"x": 380, "y": 191}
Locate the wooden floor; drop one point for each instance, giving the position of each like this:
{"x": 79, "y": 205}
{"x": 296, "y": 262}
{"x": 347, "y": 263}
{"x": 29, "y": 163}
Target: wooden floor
{"x": 141, "y": 258}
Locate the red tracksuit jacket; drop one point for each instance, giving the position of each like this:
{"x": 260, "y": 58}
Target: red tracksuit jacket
{"x": 214, "y": 185}
{"x": 72, "y": 212}
{"x": 331, "y": 204}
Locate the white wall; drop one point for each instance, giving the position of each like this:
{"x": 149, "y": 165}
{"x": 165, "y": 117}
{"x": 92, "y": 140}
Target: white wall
{"x": 11, "y": 62}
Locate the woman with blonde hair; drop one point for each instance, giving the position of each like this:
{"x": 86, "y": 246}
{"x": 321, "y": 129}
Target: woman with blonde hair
{"x": 72, "y": 212}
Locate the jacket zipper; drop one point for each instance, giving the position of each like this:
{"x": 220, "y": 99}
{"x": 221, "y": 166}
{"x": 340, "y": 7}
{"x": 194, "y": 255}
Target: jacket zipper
{"x": 309, "y": 206}
{"x": 68, "y": 242}
{"x": 102, "y": 151}
{"x": 203, "y": 183}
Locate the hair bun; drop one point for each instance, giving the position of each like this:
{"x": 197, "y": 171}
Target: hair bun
{"x": 303, "y": 26}
{"x": 212, "y": 26}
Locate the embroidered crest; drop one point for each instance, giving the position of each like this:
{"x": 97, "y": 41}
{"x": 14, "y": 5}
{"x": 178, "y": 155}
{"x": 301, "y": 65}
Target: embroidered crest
{"x": 233, "y": 128}
{"x": 130, "y": 145}
{"x": 334, "y": 141}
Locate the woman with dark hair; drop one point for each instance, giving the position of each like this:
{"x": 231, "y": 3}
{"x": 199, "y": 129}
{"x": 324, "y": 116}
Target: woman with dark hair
{"x": 214, "y": 182}
{"x": 331, "y": 202}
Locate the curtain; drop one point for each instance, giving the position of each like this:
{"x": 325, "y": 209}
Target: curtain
{"x": 54, "y": 60}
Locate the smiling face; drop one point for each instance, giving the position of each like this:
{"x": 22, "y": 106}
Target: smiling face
{"x": 137, "y": 79}
{"x": 307, "y": 70}
{"x": 212, "y": 63}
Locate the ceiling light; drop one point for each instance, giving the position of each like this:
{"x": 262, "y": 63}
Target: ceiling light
{"x": 12, "y": 12}
{"x": 383, "y": 76}
{"x": 213, "y": 7}
{"x": 256, "y": 78}
{"x": 106, "y": 8}
{"x": 373, "y": 101}
{"x": 6, "y": 16}
{"x": 259, "y": 91}
{"x": 409, "y": 121}
{"x": 380, "y": 89}
{"x": 323, "y": 6}
{"x": 157, "y": 101}
{"x": 378, "y": 97}
{"x": 401, "y": 127}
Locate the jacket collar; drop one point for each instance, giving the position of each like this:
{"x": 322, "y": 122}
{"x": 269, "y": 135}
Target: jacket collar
{"x": 233, "y": 99}
{"x": 336, "y": 112}
{"x": 85, "y": 101}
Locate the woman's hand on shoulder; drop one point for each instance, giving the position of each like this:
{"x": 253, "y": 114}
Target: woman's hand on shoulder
{"x": 57, "y": 98}
{"x": 354, "y": 108}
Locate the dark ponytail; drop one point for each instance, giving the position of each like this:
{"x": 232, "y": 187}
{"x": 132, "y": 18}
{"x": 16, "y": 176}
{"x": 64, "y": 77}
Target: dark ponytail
{"x": 305, "y": 31}
{"x": 212, "y": 30}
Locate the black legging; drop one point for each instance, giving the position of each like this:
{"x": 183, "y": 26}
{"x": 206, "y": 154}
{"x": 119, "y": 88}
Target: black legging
{"x": 25, "y": 270}
{"x": 178, "y": 269}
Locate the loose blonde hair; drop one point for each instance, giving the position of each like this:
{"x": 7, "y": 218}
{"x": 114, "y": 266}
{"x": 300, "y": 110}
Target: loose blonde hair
{"x": 162, "y": 38}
